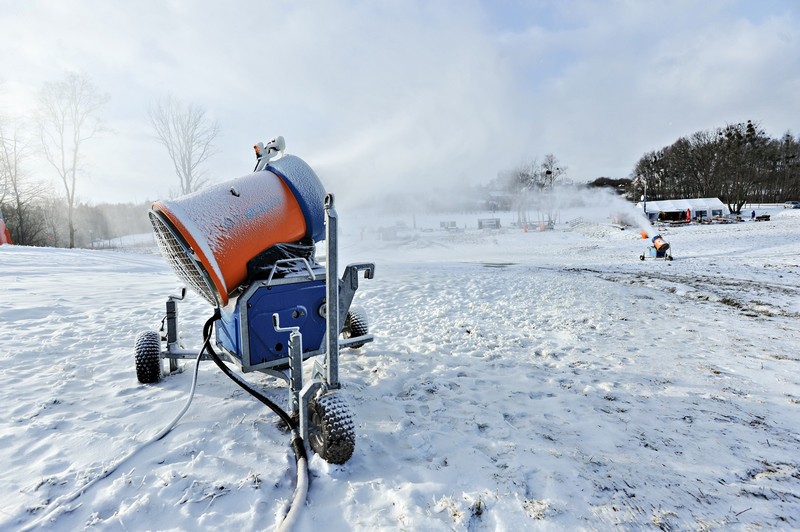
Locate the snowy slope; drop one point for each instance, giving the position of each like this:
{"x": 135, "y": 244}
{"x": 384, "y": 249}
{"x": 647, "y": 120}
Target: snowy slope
{"x": 519, "y": 380}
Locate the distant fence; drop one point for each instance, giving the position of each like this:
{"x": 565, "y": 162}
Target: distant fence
{"x": 143, "y": 240}
{"x": 576, "y": 222}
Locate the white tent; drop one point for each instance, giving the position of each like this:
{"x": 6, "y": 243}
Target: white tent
{"x": 699, "y": 207}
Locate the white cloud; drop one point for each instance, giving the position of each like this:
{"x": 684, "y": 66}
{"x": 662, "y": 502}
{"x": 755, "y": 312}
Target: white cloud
{"x": 410, "y": 93}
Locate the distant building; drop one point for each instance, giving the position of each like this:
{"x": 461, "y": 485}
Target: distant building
{"x": 699, "y": 208}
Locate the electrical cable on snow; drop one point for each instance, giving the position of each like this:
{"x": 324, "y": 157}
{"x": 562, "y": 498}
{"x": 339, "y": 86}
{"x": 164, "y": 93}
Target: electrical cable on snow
{"x": 301, "y": 460}
{"x": 66, "y": 499}
{"x": 301, "y": 487}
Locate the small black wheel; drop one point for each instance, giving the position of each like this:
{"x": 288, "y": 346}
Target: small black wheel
{"x": 355, "y": 324}
{"x": 147, "y": 350}
{"x": 669, "y": 257}
{"x": 641, "y": 257}
{"x": 331, "y": 431}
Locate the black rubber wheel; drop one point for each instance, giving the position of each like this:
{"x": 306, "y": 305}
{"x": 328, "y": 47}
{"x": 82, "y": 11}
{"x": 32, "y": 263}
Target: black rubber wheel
{"x": 331, "y": 432}
{"x": 147, "y": 350}
{"x": 355, "y": 324}
{"x": 641, "y": 257}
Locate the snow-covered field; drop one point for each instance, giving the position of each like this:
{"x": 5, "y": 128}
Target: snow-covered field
{"x": 518, "y": 380}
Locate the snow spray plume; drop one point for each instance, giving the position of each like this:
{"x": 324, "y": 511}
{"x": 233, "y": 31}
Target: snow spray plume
{"x": 424, "y": 141}
{"x": 599, "y": 205}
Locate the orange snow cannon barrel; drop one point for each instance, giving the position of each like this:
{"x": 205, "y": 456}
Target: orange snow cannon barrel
{"x": 660, "y": 244}
{"x": 209, "y": 236}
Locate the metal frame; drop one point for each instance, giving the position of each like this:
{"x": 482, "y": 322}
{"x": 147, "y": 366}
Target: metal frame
{"x": 652, "y": 253}
{"x": 340, "y": 295}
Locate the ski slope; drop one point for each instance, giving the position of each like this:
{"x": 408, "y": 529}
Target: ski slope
{"x": 518, "y": 380}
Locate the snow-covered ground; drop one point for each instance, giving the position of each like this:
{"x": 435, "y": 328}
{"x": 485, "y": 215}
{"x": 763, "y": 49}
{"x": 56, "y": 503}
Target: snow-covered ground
{"x": 518, "y": 380}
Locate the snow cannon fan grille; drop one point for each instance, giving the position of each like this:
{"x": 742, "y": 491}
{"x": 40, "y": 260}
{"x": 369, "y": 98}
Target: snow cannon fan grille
{"x": 179, "y": 255}
{"x": 210, "y": 236}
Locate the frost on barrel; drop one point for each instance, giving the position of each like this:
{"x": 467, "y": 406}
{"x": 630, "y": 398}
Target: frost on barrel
{"x": 208, "y": 237}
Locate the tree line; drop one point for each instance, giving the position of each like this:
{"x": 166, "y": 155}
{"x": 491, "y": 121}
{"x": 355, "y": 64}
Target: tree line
{"x": 524, "y": 184}
{"x": 738, "y": 163}
{"x": 68, "y": 115}
{"x": 43, "y": 222}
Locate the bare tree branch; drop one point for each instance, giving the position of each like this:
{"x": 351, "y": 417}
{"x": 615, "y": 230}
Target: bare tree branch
{"x": 67, "y": 117}
{"x": 22, "y": 197}
{"x": 188, "y": 135}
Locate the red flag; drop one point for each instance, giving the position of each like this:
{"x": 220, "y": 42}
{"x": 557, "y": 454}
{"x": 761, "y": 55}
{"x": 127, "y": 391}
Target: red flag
{"x": 5, "y": 234}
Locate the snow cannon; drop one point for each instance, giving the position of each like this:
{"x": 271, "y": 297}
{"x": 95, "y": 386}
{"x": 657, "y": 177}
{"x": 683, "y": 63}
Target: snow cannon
{"x": 248, "y": 247}
{"x": 659, "y": 250}
{"x": 660, "y": 244}
{"x": 210, "y": 236}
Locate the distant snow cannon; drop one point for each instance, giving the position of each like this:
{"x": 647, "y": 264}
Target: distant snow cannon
{"x": 248, "y": 247}
{"x": 660, "y": 244}
{"x": 659, "y": 250}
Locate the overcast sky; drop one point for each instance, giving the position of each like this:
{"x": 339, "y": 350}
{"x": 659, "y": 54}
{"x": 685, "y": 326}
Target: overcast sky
{"x": 407, "y": 93}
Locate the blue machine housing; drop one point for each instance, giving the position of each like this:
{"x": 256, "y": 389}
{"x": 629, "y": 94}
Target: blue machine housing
{"x": 307, "y": 190}
{"x": 246, "y": 331}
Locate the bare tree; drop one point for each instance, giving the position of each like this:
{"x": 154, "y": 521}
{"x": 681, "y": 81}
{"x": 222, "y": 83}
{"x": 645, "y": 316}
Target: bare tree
{"x": 68, "y": 117}
{"x": 12, "y": 151}
{"x": 535, "y": 176}
{"x": 530, "y": 182}
{"x": 22, "y": 197}
{"x": 787, "y": 168}
{"x": 550, "y": 171}
{"x": 522, "y": 182}
{"x": 743, "y": 160}
{"x": 5, "y": 164}
{"x": 187, "y": 134}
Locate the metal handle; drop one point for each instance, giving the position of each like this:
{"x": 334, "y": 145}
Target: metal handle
{"x": 276, "y": 323}
{"x": 305, "y": 261}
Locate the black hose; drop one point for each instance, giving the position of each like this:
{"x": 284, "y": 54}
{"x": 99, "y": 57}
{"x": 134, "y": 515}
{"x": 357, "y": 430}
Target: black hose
{"x": 298, "y": 446}
{"x": 291, "y": 423}
{"x": 297, "y": 441}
